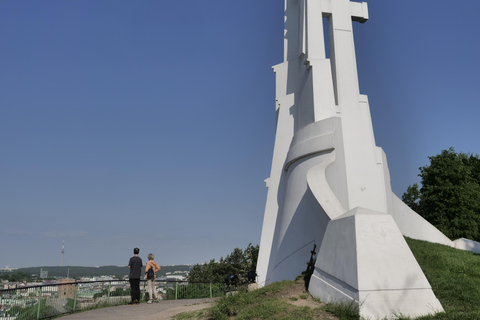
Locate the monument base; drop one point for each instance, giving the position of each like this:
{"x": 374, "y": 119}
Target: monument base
{"x": 380, "y": 304}
{"x": 365, "y": 260}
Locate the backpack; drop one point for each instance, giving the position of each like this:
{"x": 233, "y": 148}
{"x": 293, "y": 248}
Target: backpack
{"x": 150, "y": 273}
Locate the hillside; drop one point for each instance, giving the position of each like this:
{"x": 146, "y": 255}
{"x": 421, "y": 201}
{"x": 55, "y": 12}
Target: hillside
{"x": 453, "y": 274}
{"x": 77, "y": 271}
{"x": 286, "y": 300}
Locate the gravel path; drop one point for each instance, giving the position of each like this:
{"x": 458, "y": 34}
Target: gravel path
{"x": 163, "y": 310}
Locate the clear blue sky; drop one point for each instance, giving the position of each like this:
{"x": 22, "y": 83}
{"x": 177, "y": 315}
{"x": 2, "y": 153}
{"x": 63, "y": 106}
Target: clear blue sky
{"x": 151, "y": 123}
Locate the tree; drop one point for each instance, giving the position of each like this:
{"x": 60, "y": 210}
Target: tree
{"x": 239, "y": 262}
{"x": 412, "y": 197}
{"x": 450, "y": 194}
{"x": 19, "y": 276}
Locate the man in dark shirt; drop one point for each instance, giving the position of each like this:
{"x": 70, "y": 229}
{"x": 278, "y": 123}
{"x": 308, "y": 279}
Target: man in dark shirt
{"x": 135, "y": 265}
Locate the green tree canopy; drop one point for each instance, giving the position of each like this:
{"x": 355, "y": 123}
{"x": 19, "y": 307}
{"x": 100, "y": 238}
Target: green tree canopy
{"x": 450, "y": 194}
{"x": 16, "y": 276}
{"x": 239, "y": 262}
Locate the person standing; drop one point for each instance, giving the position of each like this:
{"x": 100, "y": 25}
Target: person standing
{"x": 151, "y": 265}
{"x": 135, "y": 265}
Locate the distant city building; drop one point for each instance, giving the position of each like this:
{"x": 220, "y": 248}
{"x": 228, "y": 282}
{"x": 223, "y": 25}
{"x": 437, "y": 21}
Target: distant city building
{"x": 7, "y": 268}
{"x": 66, "y": 290}
{"x": 176, "y": 277}
{"x": 43, "y": 274}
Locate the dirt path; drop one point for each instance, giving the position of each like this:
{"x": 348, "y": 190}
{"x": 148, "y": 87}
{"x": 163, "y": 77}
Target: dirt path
{"x": 163, "y": 310}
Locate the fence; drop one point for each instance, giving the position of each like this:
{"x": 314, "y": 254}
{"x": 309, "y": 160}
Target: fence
{"x": 51, "y": 300}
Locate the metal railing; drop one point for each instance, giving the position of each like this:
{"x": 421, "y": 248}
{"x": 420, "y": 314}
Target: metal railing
{"x": 51, "y": 300}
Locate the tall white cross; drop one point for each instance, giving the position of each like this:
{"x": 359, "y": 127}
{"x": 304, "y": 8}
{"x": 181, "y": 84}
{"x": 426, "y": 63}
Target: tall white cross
{"x": 340, "y": 14}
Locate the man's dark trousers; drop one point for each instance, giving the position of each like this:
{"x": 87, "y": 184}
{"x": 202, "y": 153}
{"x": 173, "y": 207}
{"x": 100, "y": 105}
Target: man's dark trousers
{"x": 135, "y": 289}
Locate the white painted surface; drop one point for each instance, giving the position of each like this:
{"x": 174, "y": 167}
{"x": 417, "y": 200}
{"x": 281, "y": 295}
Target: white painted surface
{"x": 468, "y": 245}
{"x": 329, "y": 184}
{"x": 364, "y": 258}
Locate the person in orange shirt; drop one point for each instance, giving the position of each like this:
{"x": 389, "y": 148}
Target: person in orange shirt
{"x": 151, "y": 264}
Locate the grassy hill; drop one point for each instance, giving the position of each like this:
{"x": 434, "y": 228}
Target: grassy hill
{"x": 453, "y": 274}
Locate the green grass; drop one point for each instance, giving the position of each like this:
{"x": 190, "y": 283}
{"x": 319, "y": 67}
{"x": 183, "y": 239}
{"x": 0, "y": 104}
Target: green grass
{"x": 343, "y": 311}
{"x": 243, "y": 308}
{"x": 453, "y": 274}
{"x": 199, "y": 314}
{"x": 265, "y": 303}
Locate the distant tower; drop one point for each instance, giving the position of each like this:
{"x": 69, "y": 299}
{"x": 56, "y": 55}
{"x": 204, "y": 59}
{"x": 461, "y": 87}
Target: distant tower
{"x": 63, "y": 251}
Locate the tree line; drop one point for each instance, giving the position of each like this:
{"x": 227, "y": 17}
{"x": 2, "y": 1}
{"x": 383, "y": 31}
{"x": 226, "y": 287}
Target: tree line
{"x": 239, "y": 263}
{"x": 79, "y": 271}
{"x": 16, "y": 276}
{"x": 449, "y": 196}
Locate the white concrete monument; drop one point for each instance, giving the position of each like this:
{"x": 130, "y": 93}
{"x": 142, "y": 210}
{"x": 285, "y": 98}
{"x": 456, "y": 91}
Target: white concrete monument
{"x": 329, "y": 184}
